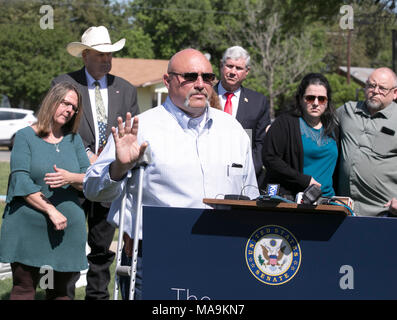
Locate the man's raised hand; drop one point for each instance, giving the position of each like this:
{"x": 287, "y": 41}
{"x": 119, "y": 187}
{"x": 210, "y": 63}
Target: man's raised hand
{"x": 128, "y": 150}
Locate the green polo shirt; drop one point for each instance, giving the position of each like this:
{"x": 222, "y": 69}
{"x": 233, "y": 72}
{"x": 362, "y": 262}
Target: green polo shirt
{"x": 368, "y": 157}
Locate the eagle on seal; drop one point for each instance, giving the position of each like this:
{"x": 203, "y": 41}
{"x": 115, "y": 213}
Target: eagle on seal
{"x": 273, "y": 255}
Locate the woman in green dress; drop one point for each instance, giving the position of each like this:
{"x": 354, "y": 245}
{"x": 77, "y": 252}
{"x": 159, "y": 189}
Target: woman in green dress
{"x": 43, "y": 233}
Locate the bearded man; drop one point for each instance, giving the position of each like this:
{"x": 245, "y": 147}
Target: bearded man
{"x": 367, "y": 167}
{"x": 197, "y": 152}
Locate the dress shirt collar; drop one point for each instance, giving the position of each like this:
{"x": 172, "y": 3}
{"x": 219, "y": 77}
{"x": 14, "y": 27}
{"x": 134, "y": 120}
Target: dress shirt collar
{"x": 222, "y": 90}
{"x": 103, "y": 83}
{"x": 186, "y": 122}
{"x": 387, "y": 112}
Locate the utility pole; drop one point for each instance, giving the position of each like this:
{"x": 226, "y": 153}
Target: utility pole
{"x": 349, "y": 33}
{"x": 394, "y": 49}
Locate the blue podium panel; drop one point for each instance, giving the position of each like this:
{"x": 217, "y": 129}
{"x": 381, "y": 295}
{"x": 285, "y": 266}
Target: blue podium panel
{"x": 247, "y": 254}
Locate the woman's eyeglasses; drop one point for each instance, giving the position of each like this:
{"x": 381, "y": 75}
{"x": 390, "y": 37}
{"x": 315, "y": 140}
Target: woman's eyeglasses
{"x": 192, "y": 76}
{"x": 68, "y": 104}
{"x": 320, "y": 99}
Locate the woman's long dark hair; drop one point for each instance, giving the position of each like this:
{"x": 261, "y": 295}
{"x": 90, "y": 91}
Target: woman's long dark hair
{"x": 328, "y": 117}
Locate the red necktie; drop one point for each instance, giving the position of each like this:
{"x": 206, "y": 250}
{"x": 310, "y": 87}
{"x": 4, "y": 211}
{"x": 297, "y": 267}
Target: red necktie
{"x": 228, "y": 105}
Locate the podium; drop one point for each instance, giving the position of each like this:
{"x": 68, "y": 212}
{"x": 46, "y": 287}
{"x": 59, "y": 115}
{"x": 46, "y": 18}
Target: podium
{"x": 277, "y": 206}
{"x": 242, "y": 251}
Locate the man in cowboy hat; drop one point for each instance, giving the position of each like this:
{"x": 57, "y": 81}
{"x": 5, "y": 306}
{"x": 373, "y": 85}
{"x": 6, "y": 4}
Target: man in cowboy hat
{"x": 104, "y": 98}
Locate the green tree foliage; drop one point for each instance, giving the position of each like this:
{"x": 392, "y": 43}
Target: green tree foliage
{"x": 371, "y": 38}
{"x": 343, "y": 92}
{"x": 373, "y": 30}
{"x": 157, "y": 29}
{"x": 137, "y": 45}
{"x": 174, "y": 24}
{"x": 299, "y": 14}
{"x": 79, "y": 15}
{"x": 213, "y": 26}
{"x": 278, "y": 60}
{"x": 32, "y": 57}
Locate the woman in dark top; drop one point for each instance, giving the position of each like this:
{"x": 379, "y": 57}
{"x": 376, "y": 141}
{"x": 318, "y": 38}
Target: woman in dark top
{"x": 43, "y": 229}
{"x": 301, "y": 146}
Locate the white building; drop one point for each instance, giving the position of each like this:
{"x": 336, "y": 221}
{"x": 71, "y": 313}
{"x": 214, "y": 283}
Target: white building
{"x": 146, "y": 75}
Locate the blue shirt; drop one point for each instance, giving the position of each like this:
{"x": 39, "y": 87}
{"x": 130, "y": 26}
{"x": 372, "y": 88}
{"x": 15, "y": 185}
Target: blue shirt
{"x": 191, "y": 159}
{"x": 320, "y": 154}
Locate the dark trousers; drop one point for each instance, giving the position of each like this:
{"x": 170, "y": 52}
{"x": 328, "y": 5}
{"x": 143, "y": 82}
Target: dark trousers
{"x": 100, "y": 237}
{"x": 26, "y": 278}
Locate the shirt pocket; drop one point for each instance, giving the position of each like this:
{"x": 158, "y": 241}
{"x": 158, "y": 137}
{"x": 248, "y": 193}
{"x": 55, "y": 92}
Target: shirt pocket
{"x": 234, "y": 169}
{"x": 384, "y": 144}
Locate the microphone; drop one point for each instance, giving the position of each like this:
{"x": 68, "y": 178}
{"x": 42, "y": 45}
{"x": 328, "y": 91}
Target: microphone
{"x": 272, "y": 189}
{"x": 272, "y": 195}
{"x": 311, "y": 194}
{"x": 236, "y": 197}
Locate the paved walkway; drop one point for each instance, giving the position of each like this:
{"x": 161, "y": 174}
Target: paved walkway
{"x": 5, "y": 155}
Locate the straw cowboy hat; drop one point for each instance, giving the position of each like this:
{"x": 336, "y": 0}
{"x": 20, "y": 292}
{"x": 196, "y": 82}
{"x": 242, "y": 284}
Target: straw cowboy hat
{"x": 95, "y": 38}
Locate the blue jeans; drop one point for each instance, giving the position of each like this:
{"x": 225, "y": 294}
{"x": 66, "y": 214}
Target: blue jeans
{"x": 124, "y": 281}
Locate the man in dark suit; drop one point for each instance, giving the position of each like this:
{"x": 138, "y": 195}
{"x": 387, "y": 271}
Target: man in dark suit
{"x": 104, "y": 97}
{"x": 249, "y": 107}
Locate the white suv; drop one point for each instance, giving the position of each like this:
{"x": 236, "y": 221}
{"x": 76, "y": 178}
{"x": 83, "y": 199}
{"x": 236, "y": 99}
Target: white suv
{"x": 11, "y": 120}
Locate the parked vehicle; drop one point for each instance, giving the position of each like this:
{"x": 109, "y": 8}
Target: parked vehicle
{"x": 11, "y": 120}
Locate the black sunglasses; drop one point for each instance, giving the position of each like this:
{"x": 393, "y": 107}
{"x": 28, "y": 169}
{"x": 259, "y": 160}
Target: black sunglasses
{"x": 192, "y": 76}
{"x": 311, "y": 99}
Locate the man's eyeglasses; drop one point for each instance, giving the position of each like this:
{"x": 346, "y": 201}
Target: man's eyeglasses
{"x": 384, "y": 91}
{"x": 192, "y": 76}
{"x": 311, "y": 99}
{"x": 67, "y": 104}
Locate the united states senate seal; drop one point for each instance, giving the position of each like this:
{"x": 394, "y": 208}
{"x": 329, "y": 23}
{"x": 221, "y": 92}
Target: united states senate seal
{"x": 273, "y": 255}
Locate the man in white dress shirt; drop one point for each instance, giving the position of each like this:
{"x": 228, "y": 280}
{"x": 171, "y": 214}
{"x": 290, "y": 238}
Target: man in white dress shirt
{"x": 197, "y": 152}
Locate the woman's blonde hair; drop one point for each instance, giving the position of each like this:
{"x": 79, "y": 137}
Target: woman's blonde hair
{"x": 50, "y": 105}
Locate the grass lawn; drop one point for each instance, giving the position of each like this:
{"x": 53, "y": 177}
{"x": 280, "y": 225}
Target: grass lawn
{"x": 6, "y": 285}
{"x": 4, "y": 172}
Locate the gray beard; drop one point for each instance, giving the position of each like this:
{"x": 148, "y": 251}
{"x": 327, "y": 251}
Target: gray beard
{"x": 186, "y": 104}
{"x": 373, "y": 106}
